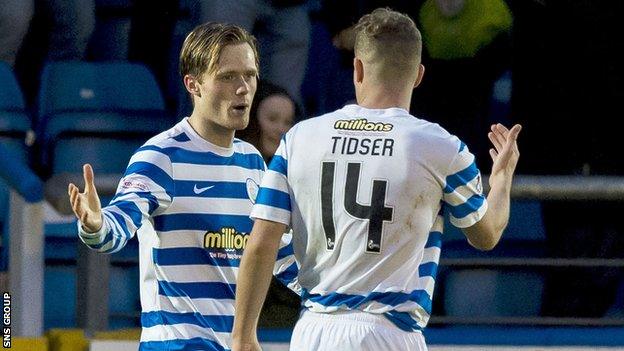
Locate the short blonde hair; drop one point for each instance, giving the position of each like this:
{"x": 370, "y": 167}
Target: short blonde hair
{"x": 202, "y": 47}
{"x": 389, "y": 40}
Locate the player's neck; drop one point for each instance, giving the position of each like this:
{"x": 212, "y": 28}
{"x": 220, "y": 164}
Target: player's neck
{"x": 212, "y": 132}
{"x": 382, "y": 102}
{"x": 384, "y": 98}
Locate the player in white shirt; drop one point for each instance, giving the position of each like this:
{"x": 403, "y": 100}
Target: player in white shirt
{"x": 187, "y": 194}
{"x": 363, "y": 188}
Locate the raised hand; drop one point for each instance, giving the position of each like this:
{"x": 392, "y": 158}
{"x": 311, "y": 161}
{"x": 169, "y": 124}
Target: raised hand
{"x": 86, "y": 205}
{"x": 505, "y": 153}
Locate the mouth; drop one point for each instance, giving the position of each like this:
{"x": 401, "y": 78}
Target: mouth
{"x": 241, "y": 107}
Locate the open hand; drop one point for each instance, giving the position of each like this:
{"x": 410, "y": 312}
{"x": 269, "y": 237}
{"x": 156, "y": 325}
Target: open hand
{"x": 505, "y": 153}
{"x": 86, "y": 205}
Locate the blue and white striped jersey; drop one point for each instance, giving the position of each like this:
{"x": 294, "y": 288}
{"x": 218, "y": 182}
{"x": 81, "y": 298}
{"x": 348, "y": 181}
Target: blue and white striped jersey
{"x": 362, "y": 190}
{"x": 189, "y": 202}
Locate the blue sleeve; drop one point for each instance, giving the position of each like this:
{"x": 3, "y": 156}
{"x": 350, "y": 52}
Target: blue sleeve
{"x": 147, "y": 186}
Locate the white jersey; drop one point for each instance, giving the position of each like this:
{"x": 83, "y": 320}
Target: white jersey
{"x": 362, "y": 190}
{"x": 189, "y": 202}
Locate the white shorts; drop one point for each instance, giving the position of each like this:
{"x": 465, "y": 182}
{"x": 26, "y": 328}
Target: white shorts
{"x": 352, "y": 331}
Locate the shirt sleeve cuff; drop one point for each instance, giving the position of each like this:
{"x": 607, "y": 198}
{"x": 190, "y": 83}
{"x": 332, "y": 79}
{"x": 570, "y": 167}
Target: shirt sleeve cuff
{"x": 270, "y": 214}
{"x": 100, "y": 233}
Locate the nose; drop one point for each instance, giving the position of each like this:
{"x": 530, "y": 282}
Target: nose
{"x": 243, "y": 87}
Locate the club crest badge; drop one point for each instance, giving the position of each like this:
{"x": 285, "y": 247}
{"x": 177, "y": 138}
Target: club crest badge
{"x": 252, "y": 190}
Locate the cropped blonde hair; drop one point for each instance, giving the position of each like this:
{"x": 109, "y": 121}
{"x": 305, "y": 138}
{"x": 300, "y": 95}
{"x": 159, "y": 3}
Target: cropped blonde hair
{"x": 202, "y": 47}
{"x": 390, "y": 41}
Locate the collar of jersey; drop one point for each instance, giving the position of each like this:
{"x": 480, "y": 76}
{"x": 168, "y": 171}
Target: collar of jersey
{"x": 360, "y": 111}
{"x": 203, "y": 144}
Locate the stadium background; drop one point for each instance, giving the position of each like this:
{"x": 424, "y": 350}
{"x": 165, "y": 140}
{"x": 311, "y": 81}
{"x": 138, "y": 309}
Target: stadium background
{"x": 554, "y": 281}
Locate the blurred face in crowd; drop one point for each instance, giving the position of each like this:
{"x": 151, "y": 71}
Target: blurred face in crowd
{"x": 276, "y": 114}
{"x": 225, "y": 95}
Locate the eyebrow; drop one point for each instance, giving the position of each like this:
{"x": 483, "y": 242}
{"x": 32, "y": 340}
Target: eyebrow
{"x": 233, "y": 71}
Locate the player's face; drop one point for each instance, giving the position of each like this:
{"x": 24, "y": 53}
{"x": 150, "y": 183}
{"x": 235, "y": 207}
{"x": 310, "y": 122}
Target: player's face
{"x": 226, "y": 94}
{"x": 275, "y": 117}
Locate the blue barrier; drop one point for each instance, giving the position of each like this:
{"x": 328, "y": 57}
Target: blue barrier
{"x": 526, "y": 336}
{"x": 499, "y": 336}
{"x": 21, "y": 178}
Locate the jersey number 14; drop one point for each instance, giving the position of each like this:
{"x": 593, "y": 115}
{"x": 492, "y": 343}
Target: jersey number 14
{"x": 376, "y": 213}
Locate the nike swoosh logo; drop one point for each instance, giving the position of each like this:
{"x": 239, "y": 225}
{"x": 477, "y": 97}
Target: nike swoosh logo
{"x": 198, "y": 191}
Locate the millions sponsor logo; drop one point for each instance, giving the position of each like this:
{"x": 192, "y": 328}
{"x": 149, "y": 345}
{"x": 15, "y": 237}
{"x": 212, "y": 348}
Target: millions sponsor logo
{"x": 227, "y": 238}
{"x": 362, "y": 125}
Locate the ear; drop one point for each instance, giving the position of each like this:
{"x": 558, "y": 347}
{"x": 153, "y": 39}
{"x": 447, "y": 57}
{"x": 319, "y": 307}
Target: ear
{"x": 358, "y": 71}
{"x": 192, "y": 85}
{"x": 420, "y": 74}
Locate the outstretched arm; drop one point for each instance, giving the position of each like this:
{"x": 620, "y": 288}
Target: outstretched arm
{"x": 146, "y": 187}
{"x": 254, "y": 277}
{"x": 486, "y": 233}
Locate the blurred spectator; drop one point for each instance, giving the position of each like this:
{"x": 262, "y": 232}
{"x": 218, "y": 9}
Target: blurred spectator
{"x": 329, "y": 79}
{"x": 151, "y": 35}
{"x": 467, "y": 47}
{"x": 72, "y": 23}
{"x": 272, "y": 114}
{"x": 459, "y": 29}
{"x": 15, "y": 16}
{"x": 341, "y": 16}
{"x": 282, "y": 28}
{"x": 465, "y": 53}
{"x": 59, "y": 30}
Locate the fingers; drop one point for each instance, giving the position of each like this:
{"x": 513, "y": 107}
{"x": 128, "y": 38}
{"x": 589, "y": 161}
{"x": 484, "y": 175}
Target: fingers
{"x": 493, "y": 154}
{"x": 502, "y": 128}
{"x": 513, "y": 133}
{"x": 87, "y": 171}
{"x": 503, "y": 136}
{"x": 76, "y": 205}
{"x": 497, "y": 138}
{"x": 73, "y": 193}
{"x": 511, "y": 144}
{"x": 75, "y": 199}
{"x": 506, "y": 133}
{"x": 70, "y": 188}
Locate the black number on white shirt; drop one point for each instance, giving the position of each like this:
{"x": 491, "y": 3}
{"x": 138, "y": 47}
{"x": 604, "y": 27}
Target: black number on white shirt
{"x": 376, "y": 213}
